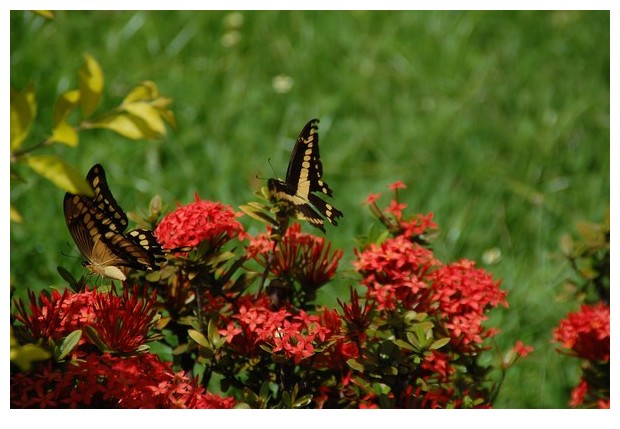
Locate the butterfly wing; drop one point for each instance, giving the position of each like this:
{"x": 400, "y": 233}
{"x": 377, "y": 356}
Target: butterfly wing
{"x": 104, "y": 200}
{"x": 305, "y": 176}
{"x": 76, "y": 208}
{"x": 305, "y": 170}
{"x": 97, "y": 224}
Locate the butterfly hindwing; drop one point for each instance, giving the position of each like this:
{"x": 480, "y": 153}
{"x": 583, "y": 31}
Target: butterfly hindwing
{"x": 305, "y": 176}
{"x": 97, "y": 226}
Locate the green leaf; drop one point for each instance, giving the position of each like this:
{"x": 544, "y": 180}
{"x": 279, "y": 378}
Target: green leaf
{"x": 303, "y": 401}
{"x": 16, "y": 215}
{"x": 23, "y": 112}
{"x": 404, "y": 345}
{"x": 61, "y": 174}
{"x": 257, "y": 214}
{"x": 413, "y": 339}
{"x": 93, "y": 336}
{"x": 91, "y": 85}
{"x": 439, "y": 343}
{"x": 199, "y": 338}
{"x": 69, "y": 343}
{"x": 212, "y": 331}
{"x": 354, "y": 364}
{"x": 68, "y": 277}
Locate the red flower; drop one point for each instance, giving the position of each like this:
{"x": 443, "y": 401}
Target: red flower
{"x": 418, "y": 225}
{"x": 438, "y": 363}
{"x": 123, "y": 322}
{"x": 111, "y": 381}
{"x": 464, "y": 294}
{"x": 46, "y": 316}
{"x": 586, "y": 332}
{"x": 521, "y": 349}
{"x": 230, "y": 331}
{"x": 357, "y": 318}
{"x": 372, "y": 198}
{"x": 394, "y": 273}
{"x": 292, "y": 336}
{"x": 397, "y": 185}
{"x": 578, "y": 394}
{"x": 300, "y": 256}
{"x": 396, "y": 209}
{"x": 189, "y": 225}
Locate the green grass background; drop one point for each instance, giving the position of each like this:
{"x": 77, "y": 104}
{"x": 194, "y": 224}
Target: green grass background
{"x": 498, "y": 122}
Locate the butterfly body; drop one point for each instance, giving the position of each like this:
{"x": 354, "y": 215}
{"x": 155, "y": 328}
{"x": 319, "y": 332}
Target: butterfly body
{"x": 304, "y": 177}
{"x": 97, "y": 225}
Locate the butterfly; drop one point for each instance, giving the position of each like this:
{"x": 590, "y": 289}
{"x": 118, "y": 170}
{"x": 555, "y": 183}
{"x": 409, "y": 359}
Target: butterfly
{"x": 97, "y": 225}
{"x": 303, "y": 177}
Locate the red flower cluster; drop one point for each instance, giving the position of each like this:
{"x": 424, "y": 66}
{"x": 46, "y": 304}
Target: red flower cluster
{"x": 582, "y": 393}
{"x": 586, "y": 332}
{"x": 116, "y": 323}
{"x": 410, "y": 341}
{"x": 394, "y": 272}
{"x": 464, "y": 294}
{"x": 201, "y": 220}
{"x": 121, "y": 322}
{"x": 294, "y": 336}
{"x": 300, "y": 256}
{"x": 399, "y": 272}
{"x": 108, "y": 381}
{"x": 392, "y": 215}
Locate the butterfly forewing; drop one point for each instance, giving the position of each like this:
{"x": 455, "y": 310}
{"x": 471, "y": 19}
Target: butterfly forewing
{"x": 104, "y": 200}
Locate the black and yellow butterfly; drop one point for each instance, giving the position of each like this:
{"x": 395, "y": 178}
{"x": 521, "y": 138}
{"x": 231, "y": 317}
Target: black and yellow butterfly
{"x": 303, "y": 177}
{"x": 97, "y": 225}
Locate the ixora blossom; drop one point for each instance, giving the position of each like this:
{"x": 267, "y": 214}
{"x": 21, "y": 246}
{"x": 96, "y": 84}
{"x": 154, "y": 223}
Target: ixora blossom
{"x": 118, "y": 323}
{"x": 195, "y": 222}
{"x": 586, "y": 333}
{"x": 464, "y": 293}
{"x": 292, "y": 336}
{"x": 113, "y": 322}
{"x": 300, "y": 256}
{"x": 394, "y": 272}
{"x": 112, "y": 381}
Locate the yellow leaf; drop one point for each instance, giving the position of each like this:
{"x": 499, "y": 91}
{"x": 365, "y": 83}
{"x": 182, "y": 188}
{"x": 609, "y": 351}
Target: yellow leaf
{"x": 45, "y": 13}
{"x": 144, "y": 91}
{"x": 161, "y": 102}
{"x": 61, "y": 174}
{"x": 120, "y": 124}
{"x": 23, "y": 356}
{"x": 168, "y": 116}
{"x": 91, "y": 85}
{"x": 16, "y": 215}
{"x": 198, "y": 337}
{"x": 65, "y": 104}
{"x": 148, "y": 114}
{"x": 23, "y": 112}
{"x": 65, "y": 134}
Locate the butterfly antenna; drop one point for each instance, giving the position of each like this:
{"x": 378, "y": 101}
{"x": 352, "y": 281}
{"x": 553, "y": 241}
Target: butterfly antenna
{"x": 72, "y": 253}
{"x": 272, "y": 169}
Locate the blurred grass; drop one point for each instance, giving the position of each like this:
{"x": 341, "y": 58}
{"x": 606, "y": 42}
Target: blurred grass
{"x": 498, "y": 122}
